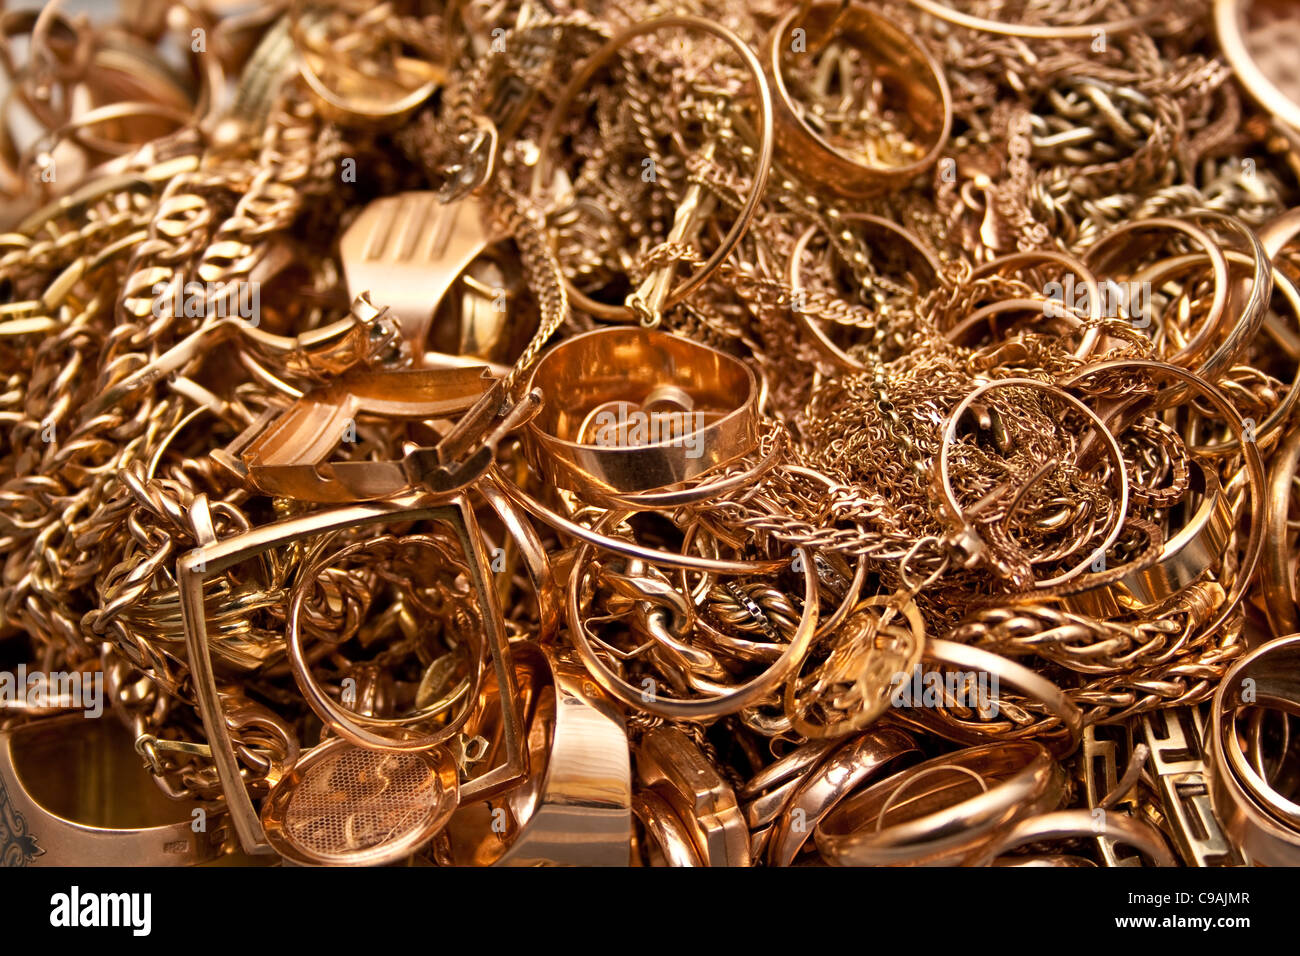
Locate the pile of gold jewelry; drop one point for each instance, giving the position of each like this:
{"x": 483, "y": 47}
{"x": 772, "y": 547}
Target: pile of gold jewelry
{"x": 691, "y": 433}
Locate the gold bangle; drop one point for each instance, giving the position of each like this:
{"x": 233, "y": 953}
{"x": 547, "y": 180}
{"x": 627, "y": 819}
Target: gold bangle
{"x": 904, "y": 67}
{"x": 1197, "y": 545}
{"x": 664, "y": 839}
{"x": 946, "y": 823}
{"x": 1072, "y": 824}
{"x": 1249, "y": 451}
{"x": 598, "y": 384}
{"x": 1004, "y": 674}
{"x": 399, "y": 734}
{"x": 748, "y": 694}
{"x": 1117, "y": 245}
{"x": 45, "y": 763}
{"x": 1066, "y": 312}
{"x": 1231, "y": 23}
{"x": 855, "y": 763}
{"x": 575, "y": 809}
{"x": 1256, "y": 817}
{"x": 954, "y": 508}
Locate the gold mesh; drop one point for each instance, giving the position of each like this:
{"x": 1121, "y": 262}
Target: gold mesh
{"x": 355, "y": 799}
{"x": 1272, "y": 35}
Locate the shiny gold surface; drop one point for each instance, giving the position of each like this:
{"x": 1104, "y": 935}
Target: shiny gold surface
{"x": 610, "y": 434}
